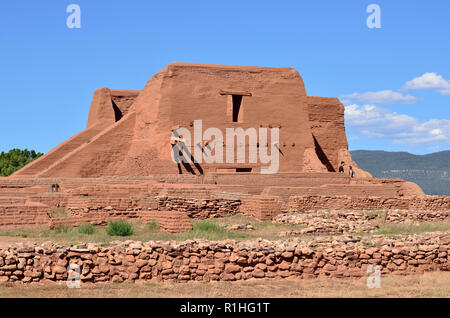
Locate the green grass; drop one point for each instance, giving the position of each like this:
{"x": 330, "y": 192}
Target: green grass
{"x": 207, "y": 226}
{"x": 87, "y": 229}
{"x": 211, "y": 229}
{"x": 153, "y": 226}
{"x": 59, "y": 213}
{"x": 119, "y": 228}
{"x": 15, "y": 234}
{"x": 45, "y": 233}
{"x": 61, "y": 229}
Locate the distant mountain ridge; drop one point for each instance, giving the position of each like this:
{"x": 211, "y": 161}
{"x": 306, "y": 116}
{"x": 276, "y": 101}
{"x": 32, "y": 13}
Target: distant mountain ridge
{"x": 431, "y": 171}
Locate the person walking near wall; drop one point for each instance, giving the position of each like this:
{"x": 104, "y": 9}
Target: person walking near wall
{"x": 351, "y": 173}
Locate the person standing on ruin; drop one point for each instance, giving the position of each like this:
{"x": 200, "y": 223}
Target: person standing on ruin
{"x": 351, "y": 173}
{"x": 341, "y": 167}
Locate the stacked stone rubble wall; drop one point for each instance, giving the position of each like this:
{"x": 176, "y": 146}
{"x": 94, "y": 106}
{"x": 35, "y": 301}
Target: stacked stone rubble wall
{"x": 223, "y": 261}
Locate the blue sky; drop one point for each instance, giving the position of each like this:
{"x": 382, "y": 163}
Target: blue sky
{"x": 394, "y": 81}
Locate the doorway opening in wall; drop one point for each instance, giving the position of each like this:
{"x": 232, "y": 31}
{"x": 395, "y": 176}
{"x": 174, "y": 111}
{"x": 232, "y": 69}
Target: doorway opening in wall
{"x": 243, "y": 169}
{"x": 117, "y": 112}
{"x": 237, "y": 101}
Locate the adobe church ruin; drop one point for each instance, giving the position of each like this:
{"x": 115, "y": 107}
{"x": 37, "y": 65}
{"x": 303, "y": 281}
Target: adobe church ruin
{"x": 129, "y": 131}
{"x": 121, "y": 165}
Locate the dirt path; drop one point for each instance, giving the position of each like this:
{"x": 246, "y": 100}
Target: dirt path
{"x": 5, "y": 241}
{"x": 429, "y": 284}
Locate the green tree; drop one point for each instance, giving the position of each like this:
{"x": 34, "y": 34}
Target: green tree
{"x": 15, "y": 159}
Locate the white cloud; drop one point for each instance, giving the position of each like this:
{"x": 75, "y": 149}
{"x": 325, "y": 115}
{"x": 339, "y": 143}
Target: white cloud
{"x": 376, "y": 122}
{"x": 351, "y": 138}
{"x": 434, "y": 148}
{"x": 429, "y": 81}
{"x": 381, "y": 97}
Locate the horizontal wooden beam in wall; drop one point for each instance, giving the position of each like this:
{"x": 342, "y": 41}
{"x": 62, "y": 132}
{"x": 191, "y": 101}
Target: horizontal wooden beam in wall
{"x": 242, "y": 93}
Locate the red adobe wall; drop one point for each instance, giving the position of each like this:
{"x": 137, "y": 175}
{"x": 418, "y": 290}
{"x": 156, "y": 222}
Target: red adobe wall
{"x": 101, "y": 117}
{"x": 326, "y": 116}
{"x": 261, "y": 207}
{"x": 98, "y": 157}
{"x": 128, "y": 132}
{"x": 104, "y": 102}
{"x": 184, "y": 92}
{"x": 311, "y": 202}
{"x": 17, "y": 215}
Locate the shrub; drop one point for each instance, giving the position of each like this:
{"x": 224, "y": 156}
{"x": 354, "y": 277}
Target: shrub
{"x": 59, "y": 213}
{"x": 153, "y": 225}
{"x": 119, "y": 228}
{"x": 207, "y": 226}
{"x": 211, "y": 231}
{"x": 86, "y": 229}
{"x": 61, "y": 229}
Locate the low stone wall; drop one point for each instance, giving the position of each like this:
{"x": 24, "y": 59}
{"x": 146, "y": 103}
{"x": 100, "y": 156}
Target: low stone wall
{"x": 261, "y": 207}
{"x": 351, "y": 190}
{"x": 350, "y": 221}
{"x": 170, "y": 221}
{"x": 398, "y": 216}
{"x": 53, "y": 200}
{"x": 225, "y": 261}
{"x": 306, "y": 203}
{"x": 326, "y": 222}
{"x": 200, "y": 208}
{"x": 12, "y": 200}
{"x": 81, "y": 206}
{"x": 16, "y": 215}
{"x": 194, "y": 208}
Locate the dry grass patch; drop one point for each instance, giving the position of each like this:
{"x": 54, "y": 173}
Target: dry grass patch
{"x": 413, "y": 228}
{"x": 59, "y": 213}
{"x": 430, "y": 284}
{"x": 211, "y": 229}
